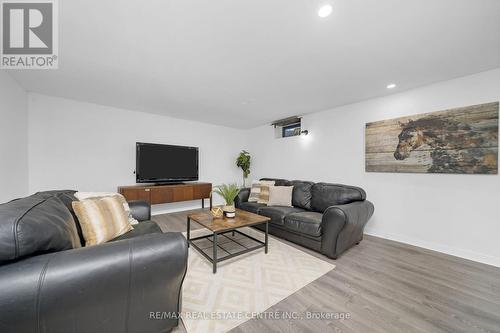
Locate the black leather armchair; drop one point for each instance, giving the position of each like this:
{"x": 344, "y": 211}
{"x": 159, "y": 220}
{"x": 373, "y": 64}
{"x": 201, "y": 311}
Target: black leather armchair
{"x": 112, "y": 287}
{"x": 120, "y": 286}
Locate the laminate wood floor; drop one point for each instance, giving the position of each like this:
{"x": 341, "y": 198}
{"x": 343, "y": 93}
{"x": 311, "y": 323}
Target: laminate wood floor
{"x": 385, "y": 286}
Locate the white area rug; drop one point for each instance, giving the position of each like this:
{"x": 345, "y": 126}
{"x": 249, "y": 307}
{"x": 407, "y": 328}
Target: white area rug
{"x": 245, "y": 285}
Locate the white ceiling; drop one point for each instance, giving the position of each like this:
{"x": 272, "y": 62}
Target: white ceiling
{"x": 244, "y": 63}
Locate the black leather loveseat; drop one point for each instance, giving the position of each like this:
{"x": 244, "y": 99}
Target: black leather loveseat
{"x": 328, "y": 218}
{"x": 131, "y": 284}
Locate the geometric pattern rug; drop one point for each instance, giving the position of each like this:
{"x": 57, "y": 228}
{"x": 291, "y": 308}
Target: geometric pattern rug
{"x": 243, "y": 286}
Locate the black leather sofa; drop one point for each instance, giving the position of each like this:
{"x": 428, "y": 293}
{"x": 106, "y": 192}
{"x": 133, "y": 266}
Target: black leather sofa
{"x": 328, "y": 218}
{"x": 131, "y": 284}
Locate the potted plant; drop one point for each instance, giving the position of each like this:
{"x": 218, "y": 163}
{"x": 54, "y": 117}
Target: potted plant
{"x": 228, "y": 192}
{"x": 243, "y": 162}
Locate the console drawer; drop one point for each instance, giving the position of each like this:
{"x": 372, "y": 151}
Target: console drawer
{"x": 171, "y": 194}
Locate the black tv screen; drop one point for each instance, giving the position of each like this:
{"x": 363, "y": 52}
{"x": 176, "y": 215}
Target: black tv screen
{"x": 157, "y": 163}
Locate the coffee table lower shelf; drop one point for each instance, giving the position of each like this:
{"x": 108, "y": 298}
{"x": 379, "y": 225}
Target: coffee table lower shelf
{"x": 213, "y": 237}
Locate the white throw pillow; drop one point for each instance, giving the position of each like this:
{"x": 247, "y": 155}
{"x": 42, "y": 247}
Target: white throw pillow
{"x": 280, "y": 196}
{"x": 89, "y": 195}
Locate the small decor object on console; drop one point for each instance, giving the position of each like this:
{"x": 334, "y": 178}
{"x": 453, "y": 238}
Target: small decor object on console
{"x": 228, "y": 192}
{"x": 217, "y": 212}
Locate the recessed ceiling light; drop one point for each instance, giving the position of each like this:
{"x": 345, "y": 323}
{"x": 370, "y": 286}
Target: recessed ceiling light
{"x": 325, "y": 10}
{"x": 391, "y": 86}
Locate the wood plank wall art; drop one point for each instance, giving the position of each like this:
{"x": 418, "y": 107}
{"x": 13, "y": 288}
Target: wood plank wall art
{"x": 462, "y": 140}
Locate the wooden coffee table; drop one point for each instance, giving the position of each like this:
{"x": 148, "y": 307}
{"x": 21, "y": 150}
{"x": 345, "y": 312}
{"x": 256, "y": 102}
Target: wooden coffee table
{"x": 221, "y": 226}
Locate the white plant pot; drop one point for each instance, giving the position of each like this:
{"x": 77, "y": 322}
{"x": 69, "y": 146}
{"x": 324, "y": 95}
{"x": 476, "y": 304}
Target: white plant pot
{"x": 229, "y": 211}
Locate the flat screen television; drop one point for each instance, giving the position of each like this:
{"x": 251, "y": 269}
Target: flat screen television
{"x": 157, "y": 163}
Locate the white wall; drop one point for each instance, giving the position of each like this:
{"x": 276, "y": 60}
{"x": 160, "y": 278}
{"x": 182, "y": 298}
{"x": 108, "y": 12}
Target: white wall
{"x": 13, "y": 139}
{"x": 89, "y": 147}
{"x": 455, "y": 214}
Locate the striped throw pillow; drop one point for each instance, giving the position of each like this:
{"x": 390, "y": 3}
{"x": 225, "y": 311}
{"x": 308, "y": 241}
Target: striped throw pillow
{"x": 101, "y": 219}
{"x": 88, "y": 195}
{"x": 264, "y": 191}
{"x": 254, "y": 192}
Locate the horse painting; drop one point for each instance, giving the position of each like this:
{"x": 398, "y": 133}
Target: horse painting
{"x": 463, "y": 140}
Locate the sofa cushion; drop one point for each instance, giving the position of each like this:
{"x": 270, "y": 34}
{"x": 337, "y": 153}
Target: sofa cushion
{"x": 278, "y": 181}
{"x": 67, "y": 197}
{"x": 302, "y": 194}
{"x": 51, "y": 193}
{"x": 278, "y": 213}
{"x": 325, "y": 195}
{"x": 35, "y": 225}
{"x": 143, "y": 228}
{"x": 308, "y": 223}
{"x": 252, "y": 207}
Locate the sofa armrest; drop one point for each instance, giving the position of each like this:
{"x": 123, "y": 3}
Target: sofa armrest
{"x": 141, "y": 210}
{"x": 242, "y": 196}
{"x": 343, "y": 226}
{"x": 113, "y": 287}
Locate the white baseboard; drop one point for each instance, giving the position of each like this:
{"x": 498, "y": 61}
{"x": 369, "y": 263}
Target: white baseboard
{"x": 166, "y": 210}
{"x": 466, "y": 254}
{"x": 181, "y": 206}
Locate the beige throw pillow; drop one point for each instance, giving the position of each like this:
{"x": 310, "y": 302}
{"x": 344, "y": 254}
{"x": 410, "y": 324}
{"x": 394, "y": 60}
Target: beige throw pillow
{"x": 101, "y": 219}
{"x": 280, "y": 196}
{"x": 88, "y": 195}
{"x": 264, "y": 191}
{"x": 254, "y": 192}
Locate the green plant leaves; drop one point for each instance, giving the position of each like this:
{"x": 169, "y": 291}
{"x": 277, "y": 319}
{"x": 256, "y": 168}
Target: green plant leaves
{"x": 243, "y": 162}
{"x": 228, "y": 192}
